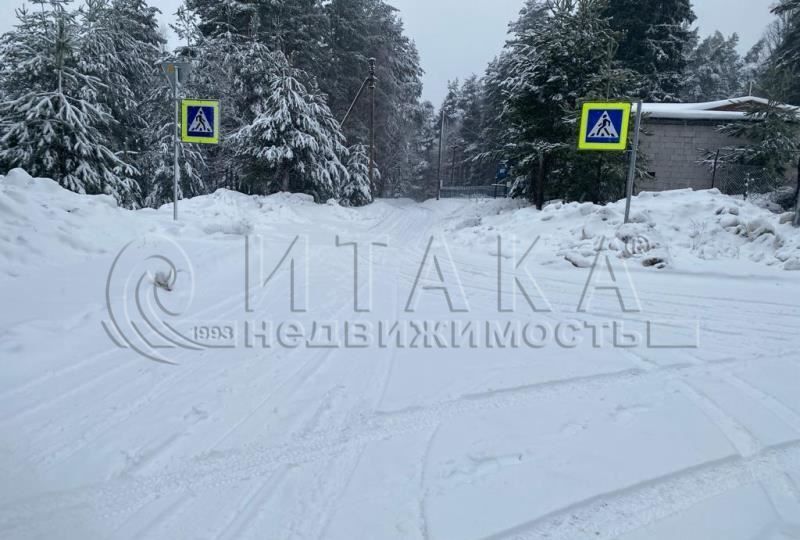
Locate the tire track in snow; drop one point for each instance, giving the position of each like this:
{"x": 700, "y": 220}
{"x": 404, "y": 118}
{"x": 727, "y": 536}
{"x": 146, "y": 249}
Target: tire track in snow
{"x": 50, "y": 456}
{"x": 219, "y": 469}
{"x": 780, "y": 409}
{"x": 745, "y": 443}
{"x": 95, "y": 358}
{"x": 610, "y": 515}
{"x": 92, "y": 383}
{"x": 250, "y": 508}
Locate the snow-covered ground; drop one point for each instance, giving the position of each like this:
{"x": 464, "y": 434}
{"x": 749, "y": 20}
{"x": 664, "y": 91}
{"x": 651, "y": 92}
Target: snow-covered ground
{"x": 667, "y": 408}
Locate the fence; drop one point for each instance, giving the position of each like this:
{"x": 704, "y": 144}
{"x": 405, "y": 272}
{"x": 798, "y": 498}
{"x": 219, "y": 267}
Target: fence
{"x": 475, "y": 192}
{"x": 746, "y": 180}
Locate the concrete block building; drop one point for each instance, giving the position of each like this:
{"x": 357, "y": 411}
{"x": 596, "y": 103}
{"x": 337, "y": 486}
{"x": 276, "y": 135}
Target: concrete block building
{"x": 676, "y": 136}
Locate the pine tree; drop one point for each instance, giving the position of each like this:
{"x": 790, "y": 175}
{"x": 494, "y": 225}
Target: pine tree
{"x": 788, "y": 54}
{"x": 55, "y": 123}
{"x": 121, "y": 46}
{"x": 294, "y": 143}
{"x": 156, "y": 161}
{"x": 655, "y": 40}
{"x": 235, "y": 67}
{"x": 786, "y": 58}
{"x": 715, "y": 70}
{"x": 772, "y": 140}
{"x": 363, "y": 29}
{"x": 563, "y": 53}
{"x": 357, "y": 190}
{"x": 297, "y": 28}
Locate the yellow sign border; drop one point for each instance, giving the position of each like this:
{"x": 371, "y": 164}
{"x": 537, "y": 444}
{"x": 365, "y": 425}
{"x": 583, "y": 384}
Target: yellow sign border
{"x": 185, "y": 104}
{"x": 622, "y": 145}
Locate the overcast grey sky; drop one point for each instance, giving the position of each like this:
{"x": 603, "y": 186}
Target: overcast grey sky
{"x": 459, "y": 37}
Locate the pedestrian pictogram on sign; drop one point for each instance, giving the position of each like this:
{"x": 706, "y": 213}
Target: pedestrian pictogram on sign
{"x": 604, "y": 126}
{"x": 200, "y": 121}
{"x": 604, "y": 129}
{"x": 200, "y": 125}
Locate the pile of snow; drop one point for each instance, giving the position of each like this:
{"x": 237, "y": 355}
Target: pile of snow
{"x": 682, "y": 229}
{"x": 42, "y": 223}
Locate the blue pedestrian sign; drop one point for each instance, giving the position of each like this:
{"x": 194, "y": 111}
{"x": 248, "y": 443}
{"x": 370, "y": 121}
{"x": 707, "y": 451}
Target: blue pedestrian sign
{"x": 200, "y": 121}
{"x": 604, "y": 126}
{"x": 503, "y": 171}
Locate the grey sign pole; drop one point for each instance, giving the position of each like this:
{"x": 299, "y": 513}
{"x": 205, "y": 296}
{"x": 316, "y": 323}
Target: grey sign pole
{"x": 176, "y": 73}
{"x": 176, "y": 165}
{"x": 634, "y": 155}
{"x": 797, "y": 210}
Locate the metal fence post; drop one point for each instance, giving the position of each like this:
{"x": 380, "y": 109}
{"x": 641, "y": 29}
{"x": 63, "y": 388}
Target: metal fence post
{"x": 714, "y": 175}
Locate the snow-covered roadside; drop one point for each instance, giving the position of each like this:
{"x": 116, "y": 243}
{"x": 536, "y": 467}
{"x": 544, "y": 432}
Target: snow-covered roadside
{"x": 41, "y": 223}
{"x": 562, "y": 441}
{"x": 684, "y": 230}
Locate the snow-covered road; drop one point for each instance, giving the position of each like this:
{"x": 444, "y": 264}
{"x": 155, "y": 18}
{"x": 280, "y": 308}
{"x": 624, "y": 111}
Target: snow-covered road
{"x": 581, "y": 433}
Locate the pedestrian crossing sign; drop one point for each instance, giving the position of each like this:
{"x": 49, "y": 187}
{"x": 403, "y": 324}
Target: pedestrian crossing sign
{"x": 604, "y": 127}
{"x": 200, "y": 121}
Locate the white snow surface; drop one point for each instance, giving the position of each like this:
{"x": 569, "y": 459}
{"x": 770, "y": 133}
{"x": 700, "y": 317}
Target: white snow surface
{"x": 695, "y": 435}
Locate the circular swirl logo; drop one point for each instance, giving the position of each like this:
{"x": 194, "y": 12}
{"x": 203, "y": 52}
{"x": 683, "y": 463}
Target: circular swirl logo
{"x": 150, "y": 285}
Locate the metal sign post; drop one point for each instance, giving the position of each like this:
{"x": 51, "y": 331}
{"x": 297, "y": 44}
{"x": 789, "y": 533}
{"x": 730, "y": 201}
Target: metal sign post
{"x": 634, "y": 156}
{"x": 177, "y": 73}
{"x": 604, "y": 128}
{"x": 177, "y": 142}
{"x": 797, "y": 211}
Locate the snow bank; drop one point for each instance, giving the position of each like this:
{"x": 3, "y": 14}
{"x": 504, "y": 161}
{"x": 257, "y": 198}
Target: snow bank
{"x": 682, "y": 229}
{"x": 42, "y": 223}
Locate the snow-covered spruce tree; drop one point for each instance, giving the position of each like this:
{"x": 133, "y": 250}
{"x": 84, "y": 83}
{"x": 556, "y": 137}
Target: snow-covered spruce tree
{"x": 789, "y": 51}
{"x": 786, "y": 57}
{"x": 54, "y": 123}
{"x": 121, "y": 45}
{"x": 294, "y": 143}
{"x": 357, "y": 190}
{"x": 562, "y": 52}
{"x": 497, "y": 139}
{"x": 763, "y": 71}
{"x": 770, "y": 140}
{"x": 156, "y": 161}
{"x": 655, "y": 41}
{"x": 230, "y": 65}
{"x": 297, "y": 28}
{"x": 715, "y": 70}
{"x": 358, "y": 30}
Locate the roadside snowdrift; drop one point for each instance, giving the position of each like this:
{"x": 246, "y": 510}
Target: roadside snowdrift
{"x": 681, "y": 229}
{"x": 44, "y": 224}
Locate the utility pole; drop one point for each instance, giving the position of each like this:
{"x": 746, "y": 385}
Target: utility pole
{"x": 372, "y": 81}
{"x": 441, "y": 150}
{"x": 453, "y": 167}
{"x": 369, "y": 82}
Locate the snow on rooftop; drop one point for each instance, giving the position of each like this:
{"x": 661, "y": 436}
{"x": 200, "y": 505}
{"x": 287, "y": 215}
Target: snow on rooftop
{"x": 704, "y": 111}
